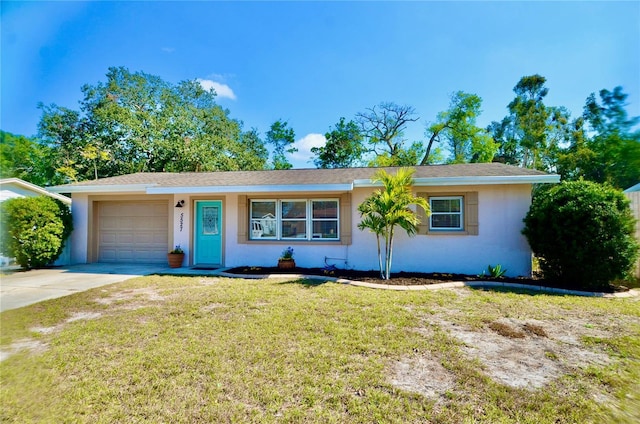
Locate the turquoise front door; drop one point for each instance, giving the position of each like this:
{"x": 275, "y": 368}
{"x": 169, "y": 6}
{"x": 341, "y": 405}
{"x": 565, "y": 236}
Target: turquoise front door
{"x": 208, "y": 233}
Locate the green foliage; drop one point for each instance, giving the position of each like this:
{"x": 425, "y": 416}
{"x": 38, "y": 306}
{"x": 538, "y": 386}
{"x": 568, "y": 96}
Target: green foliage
{"x": 494, "y": 271}
{"x": 457, "y": 127}
{"x": 582, "y": 233}
{"x": 24, "y": 158}
{"x": 136, "y": 122}
{"x": 604, "y": 147}
{"x": 389, "y": 207}
{"x": 34, "y": 230}
{"x": 282, "y": 138}
{"x": 343, "y": 147}
{"x": 530, "y": 118}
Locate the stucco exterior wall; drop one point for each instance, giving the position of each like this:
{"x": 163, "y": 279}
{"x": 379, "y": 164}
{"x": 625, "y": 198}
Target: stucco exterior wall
{"x": 80, "y": 236}
{"x": 501, "y": 209}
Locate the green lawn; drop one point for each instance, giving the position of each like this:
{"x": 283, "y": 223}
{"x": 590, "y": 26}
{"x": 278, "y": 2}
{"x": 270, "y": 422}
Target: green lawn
{"x": 205, "y": 349}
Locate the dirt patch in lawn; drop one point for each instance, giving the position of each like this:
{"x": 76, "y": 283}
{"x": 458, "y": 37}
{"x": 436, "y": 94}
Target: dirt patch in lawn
{"x": 424, "y": 375}
{"x": 125, "y": 299}
{"x": 526, "y": 354}
{"x": 36, "y": 346}
{"x": 131, "y": 299}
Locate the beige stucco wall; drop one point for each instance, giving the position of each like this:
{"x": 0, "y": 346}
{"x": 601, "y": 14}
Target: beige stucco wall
{"x": 501, "y": 209}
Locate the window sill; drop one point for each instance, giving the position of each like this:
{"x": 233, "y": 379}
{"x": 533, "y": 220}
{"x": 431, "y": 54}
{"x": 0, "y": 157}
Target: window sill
{"x": 295, "y": 241}
{"x": 447, "y": 233}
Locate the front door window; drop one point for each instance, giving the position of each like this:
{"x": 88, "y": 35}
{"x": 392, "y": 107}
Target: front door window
{"x": 210, "y": 220}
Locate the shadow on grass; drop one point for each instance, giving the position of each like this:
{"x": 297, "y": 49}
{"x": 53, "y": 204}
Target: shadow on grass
{"x": 540, "y": 290}
{"x": 307, "y": 282}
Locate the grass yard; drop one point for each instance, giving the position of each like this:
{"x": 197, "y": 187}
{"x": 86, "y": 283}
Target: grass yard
{"x": 205, "y": 349}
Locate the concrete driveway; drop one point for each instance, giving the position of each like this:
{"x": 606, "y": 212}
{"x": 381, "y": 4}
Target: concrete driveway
{"x": 22, "y": 288}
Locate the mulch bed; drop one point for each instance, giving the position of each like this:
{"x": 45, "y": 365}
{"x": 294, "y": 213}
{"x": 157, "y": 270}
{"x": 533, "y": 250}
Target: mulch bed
{"x": 401, "y": 278}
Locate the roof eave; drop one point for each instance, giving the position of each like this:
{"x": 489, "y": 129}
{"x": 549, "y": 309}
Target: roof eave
{"x": 290, "y": 188}
{"x": 477, "y": 180}
{"x": 36, "y": 188}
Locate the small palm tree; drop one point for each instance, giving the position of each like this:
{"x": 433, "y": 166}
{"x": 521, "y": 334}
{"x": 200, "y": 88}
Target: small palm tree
{"x": 389, "y": 207}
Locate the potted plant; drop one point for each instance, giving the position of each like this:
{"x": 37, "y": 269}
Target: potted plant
{"x": 175, "y": 257}
{"x": 286, "y": 260}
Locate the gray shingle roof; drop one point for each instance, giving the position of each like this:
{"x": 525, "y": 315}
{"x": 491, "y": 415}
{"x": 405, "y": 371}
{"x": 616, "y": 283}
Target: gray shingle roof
{"x": 298, "y": 176}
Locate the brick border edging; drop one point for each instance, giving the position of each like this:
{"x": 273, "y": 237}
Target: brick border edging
{"x": 450, "y": 285}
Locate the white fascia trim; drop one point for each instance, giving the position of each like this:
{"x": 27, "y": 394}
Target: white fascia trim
{"x": 35, "y": 188}
{"x": 125, "y": 188}
{"x": 251, "y": 189}
{"x": 450, "y": 181}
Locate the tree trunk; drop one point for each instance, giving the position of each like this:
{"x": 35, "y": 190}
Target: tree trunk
{"x": 428, "y": 152}
{"x": 380, "y": 257}
{"x": 389, "y": 255}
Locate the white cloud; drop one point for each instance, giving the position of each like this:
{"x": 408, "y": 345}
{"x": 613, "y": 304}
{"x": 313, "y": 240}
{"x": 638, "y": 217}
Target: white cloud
{"x": 303, "y": 158}
{"x": 168, "y": 49}
{"x": 223, "y": 90}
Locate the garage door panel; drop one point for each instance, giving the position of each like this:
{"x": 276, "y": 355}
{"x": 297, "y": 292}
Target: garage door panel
{"x": 146, "y": 239}
{"x": 107, "y": 238}
{"x": 132, "y": 231}
{"x": 125, "y": 239}
{"x": 109, "y": 223}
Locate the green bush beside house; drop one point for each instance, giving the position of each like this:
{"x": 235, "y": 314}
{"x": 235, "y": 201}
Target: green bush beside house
{"x": 583, "y": 234}
{"x": 34, "y": 230}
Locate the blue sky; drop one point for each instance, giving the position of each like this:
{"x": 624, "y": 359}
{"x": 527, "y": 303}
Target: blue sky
{"x": 312, "y": 62}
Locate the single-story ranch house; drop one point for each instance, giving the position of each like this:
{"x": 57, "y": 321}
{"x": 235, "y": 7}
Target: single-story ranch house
{"x": 242, "y": 218}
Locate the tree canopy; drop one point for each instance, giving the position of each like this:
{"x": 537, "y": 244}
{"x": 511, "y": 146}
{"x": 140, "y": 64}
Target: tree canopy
{"x": 137, "y": 122}
{"x": 134, "y": 122}
{"x": 604, "y": 144}
{"x": 457, "y": 127}
{"x": 24, "y": 158}
{"x": 282, "y": 137}
{"x": 343, "y": 148}
{"x": 383, "y": 128}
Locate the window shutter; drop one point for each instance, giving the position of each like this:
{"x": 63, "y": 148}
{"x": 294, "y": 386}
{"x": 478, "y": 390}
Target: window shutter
{"x": 423, "y": 226}
{"x": 243, "y": 219}
{"x": 345, "y": 219}
{"x": 471, "y": 212}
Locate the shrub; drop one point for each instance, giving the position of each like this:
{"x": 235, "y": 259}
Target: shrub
{"x": 34, "y": 229}
{"x": 582, "y": 233}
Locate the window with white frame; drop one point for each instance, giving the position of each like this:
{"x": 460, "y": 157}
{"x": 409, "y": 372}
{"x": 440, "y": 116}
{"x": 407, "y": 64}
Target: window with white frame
{"x": 263, "y": 219}
{"x": 324, "y": 219}
{"x": 446, "y": 213}
{"x": 294, "y": 219}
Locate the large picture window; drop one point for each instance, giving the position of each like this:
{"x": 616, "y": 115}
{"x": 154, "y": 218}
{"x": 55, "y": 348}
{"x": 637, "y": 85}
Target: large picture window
{"x": 294, "y": 219}
{"x": 446, "y": 213}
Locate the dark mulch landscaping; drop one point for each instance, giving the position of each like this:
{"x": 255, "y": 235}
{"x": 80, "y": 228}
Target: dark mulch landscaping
{"x": 404, "y": 278}
{"x": 398, "y": 279}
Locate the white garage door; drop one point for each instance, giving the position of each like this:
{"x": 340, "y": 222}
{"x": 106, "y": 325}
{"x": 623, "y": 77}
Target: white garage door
{"x": 132, "y": 232}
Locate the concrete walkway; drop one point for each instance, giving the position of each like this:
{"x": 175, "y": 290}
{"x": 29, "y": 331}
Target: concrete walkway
{"x": 21, "y": 288}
